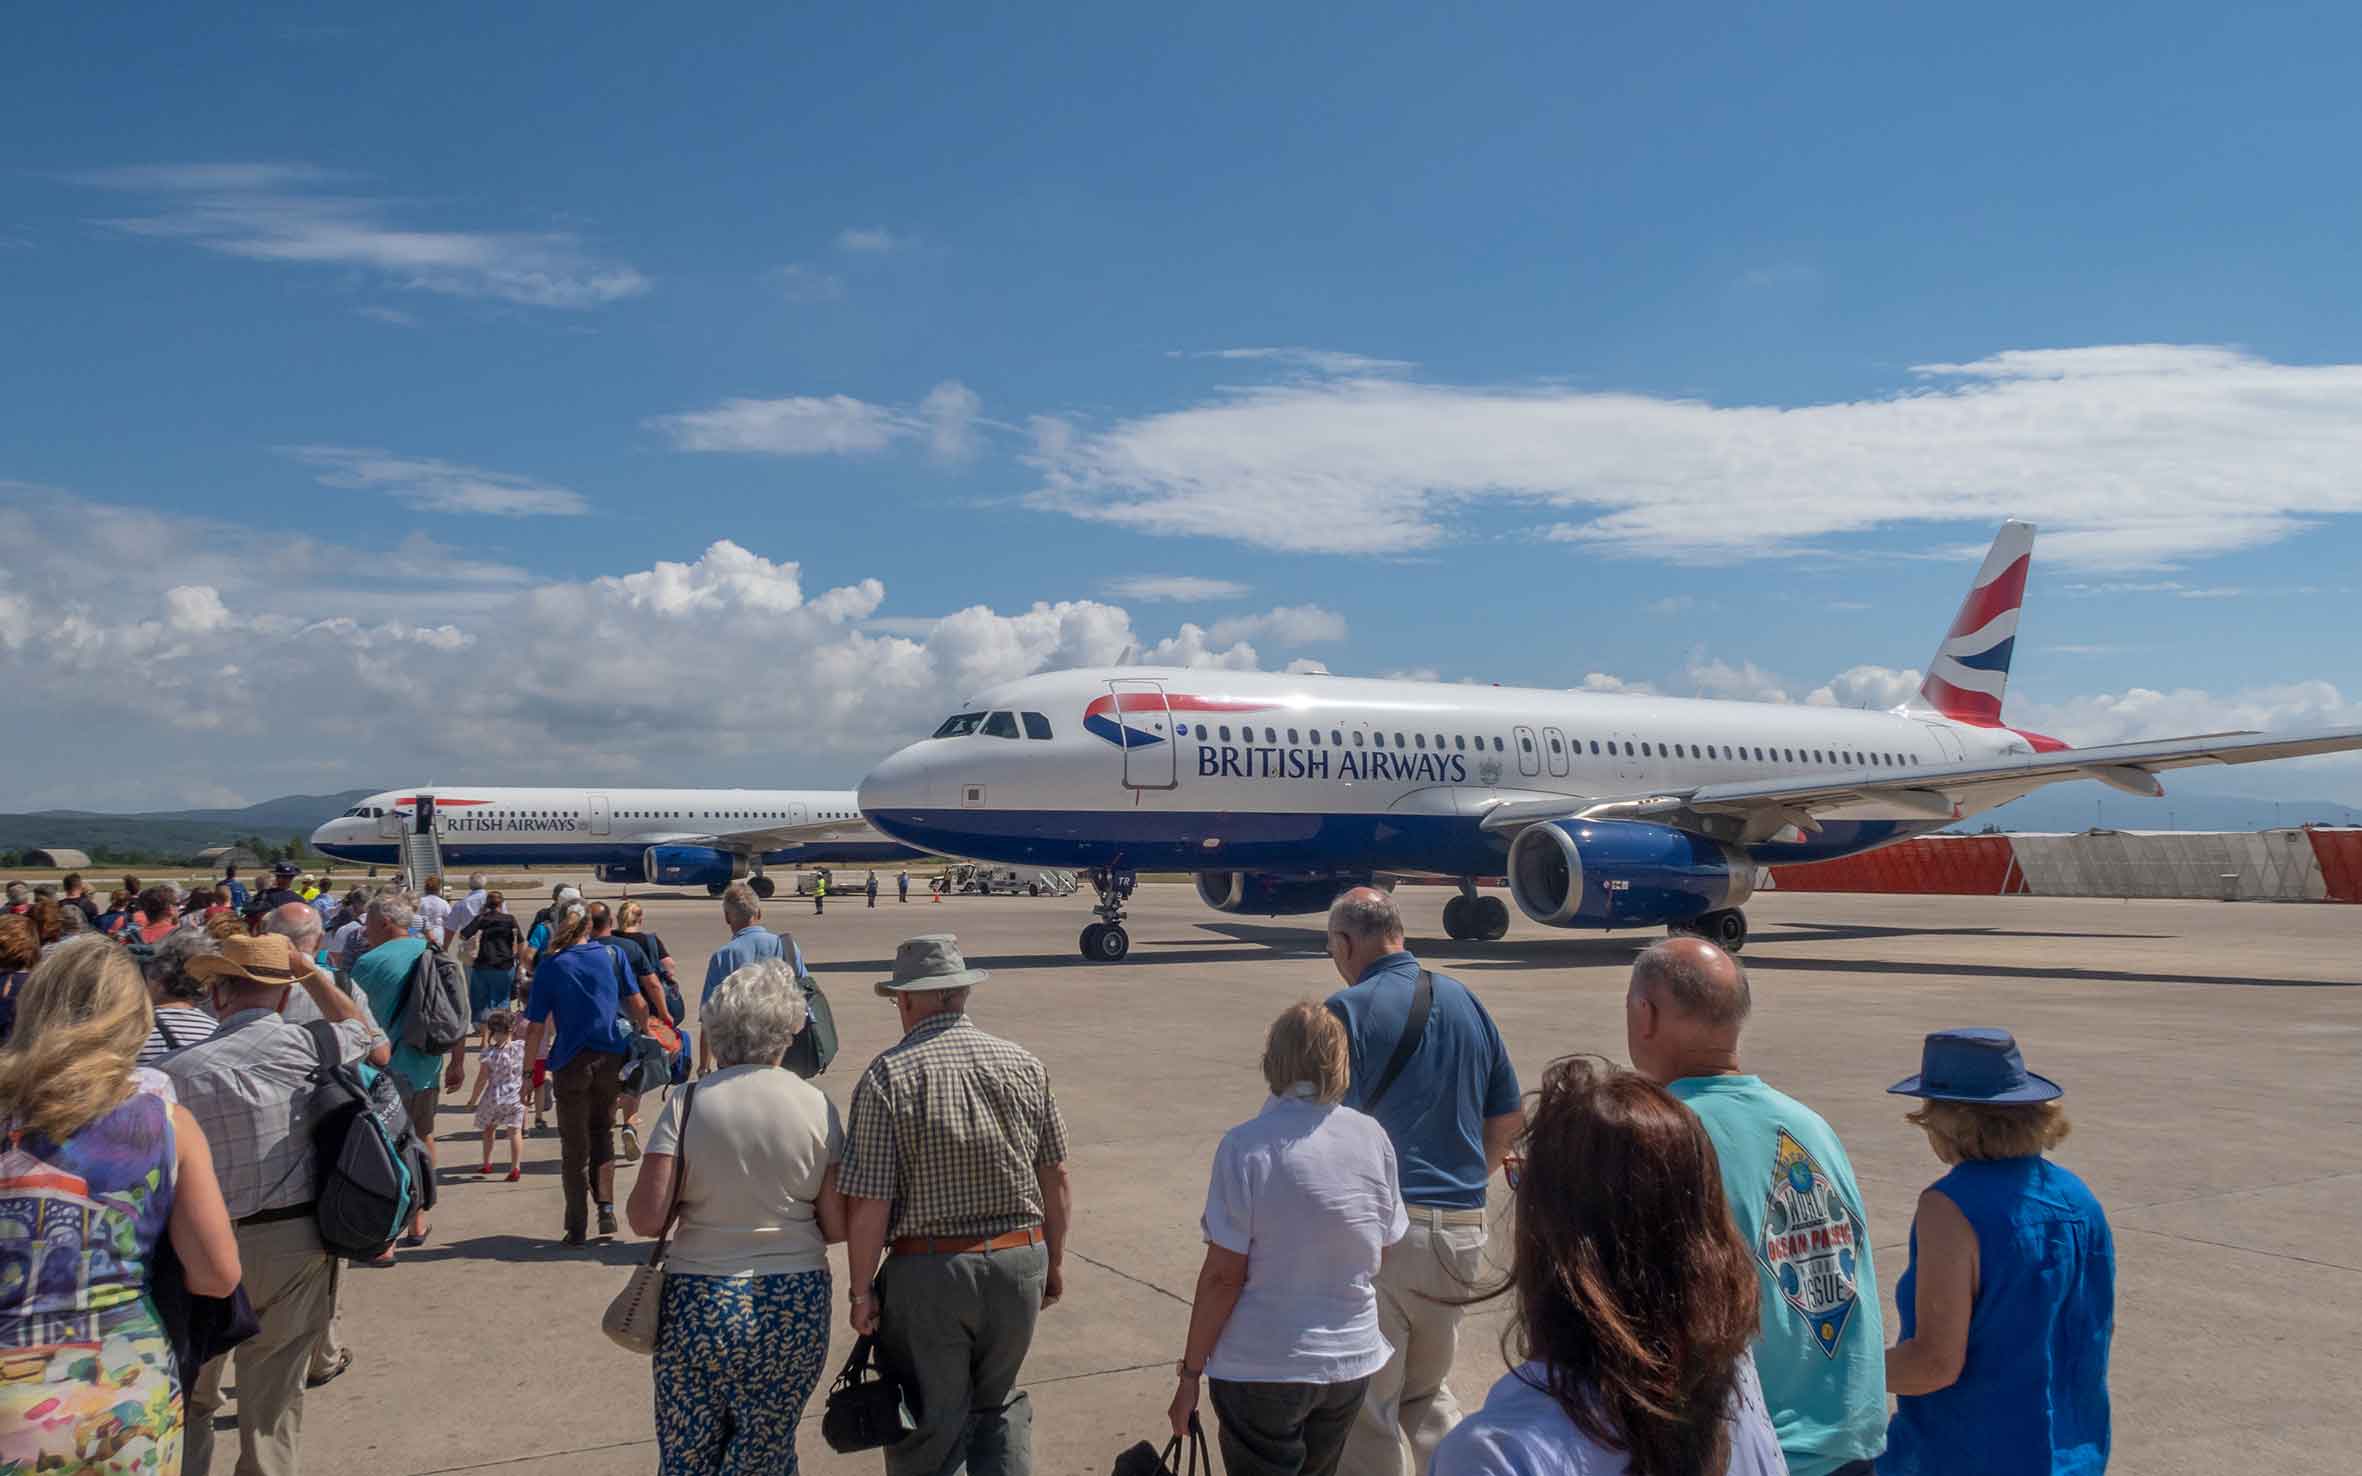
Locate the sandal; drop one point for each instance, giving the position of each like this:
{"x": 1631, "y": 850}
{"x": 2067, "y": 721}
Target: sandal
{"x": 318, "y": 1380}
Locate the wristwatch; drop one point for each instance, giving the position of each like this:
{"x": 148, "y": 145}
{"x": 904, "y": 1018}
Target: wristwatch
{"x": 1181, "y": 1367}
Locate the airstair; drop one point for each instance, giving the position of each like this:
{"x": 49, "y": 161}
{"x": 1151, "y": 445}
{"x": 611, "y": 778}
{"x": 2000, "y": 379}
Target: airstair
{"x": 422, "y": 853}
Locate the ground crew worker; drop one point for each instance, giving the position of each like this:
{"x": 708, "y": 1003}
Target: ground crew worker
{"x": 819, "y": 893}
{"x": 902, "y": 884}
{"x": 872, "y": 889}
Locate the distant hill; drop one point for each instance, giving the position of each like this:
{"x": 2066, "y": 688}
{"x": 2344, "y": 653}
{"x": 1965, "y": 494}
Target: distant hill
{"x": 174, "y": 834}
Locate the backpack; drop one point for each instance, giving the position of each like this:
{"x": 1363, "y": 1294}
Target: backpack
{"x": 815, "y": 1045}
{"x": 369, "y": 1168}
{"x": 434, "y": 1008}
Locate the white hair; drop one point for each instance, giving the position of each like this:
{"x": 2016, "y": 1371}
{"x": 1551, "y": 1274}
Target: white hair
{"x": 755, "y": 1014}
{"x": 1366, "y": 916}
{"x": 392, "y": 911}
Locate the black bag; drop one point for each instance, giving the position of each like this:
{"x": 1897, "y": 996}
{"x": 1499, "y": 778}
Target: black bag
{"x": 433, "y": 1015}
{"x": 200, "y": 1329}
{"x": 370, "y": 1169}
{"x": 1142, "y": 1459}
{"x": 866, "y": 1410}
{"x": 816, "y": 1044}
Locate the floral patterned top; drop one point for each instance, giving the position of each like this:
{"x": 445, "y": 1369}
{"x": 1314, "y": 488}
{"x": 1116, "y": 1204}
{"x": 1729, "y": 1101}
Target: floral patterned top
{"x": 79, "y": 1220}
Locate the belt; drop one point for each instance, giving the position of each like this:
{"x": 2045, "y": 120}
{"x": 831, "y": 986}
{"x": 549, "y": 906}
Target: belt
{"x": 1438, "y": 1214}
{"x": 302, "y": 1211}
{"x": 941, "y": 1245}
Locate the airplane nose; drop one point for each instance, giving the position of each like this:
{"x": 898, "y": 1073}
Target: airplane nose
{"x": 892, "y": 794}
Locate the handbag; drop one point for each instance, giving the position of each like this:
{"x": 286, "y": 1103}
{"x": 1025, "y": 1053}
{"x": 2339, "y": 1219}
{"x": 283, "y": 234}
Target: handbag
{"x": 866, "y": 1410}
{"x": 815, "y": 1045}
{"x": 1142, "y": 1459}
{"x": 636, "y": 1316}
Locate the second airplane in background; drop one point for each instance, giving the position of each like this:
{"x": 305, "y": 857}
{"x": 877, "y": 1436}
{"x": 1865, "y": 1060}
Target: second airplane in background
{"x": 668, "y": 837}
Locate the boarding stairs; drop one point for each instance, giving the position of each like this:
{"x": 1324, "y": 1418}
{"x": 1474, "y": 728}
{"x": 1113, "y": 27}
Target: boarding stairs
{"x": 422, "y": 857}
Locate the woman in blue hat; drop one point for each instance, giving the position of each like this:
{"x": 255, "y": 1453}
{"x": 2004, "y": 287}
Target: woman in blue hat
{"x": 2010, "y": 1301}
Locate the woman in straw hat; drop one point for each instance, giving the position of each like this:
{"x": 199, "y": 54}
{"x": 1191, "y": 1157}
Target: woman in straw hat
{"x": 97, "y": 1164}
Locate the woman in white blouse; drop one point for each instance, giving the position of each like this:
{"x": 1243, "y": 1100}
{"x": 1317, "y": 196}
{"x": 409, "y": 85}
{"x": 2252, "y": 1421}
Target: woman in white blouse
{"x": 745, "y": 1325}
{"x": 1303, "y": 1203}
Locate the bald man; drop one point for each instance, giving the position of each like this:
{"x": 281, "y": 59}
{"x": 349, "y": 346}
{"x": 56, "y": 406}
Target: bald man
{"x": 1820, "y": 1351}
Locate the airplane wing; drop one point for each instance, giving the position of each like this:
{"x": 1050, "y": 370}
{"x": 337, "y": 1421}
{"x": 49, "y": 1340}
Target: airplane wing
{"x": 780, "y": 837}
{"x": 1751, "y": 810}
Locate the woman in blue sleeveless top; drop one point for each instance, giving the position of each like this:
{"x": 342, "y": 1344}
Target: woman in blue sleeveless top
{"x": 2010, "y": 1301}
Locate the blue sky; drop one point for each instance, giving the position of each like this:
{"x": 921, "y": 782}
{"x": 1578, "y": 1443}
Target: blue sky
{"x": 1699, "y": 350}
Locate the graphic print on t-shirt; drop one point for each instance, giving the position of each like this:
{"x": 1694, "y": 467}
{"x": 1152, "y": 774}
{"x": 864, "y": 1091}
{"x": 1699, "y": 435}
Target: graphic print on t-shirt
{"x": 1810, "y": 1241}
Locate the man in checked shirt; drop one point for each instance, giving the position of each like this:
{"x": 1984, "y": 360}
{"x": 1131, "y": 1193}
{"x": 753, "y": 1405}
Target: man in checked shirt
{"x": 956, "y": 1159}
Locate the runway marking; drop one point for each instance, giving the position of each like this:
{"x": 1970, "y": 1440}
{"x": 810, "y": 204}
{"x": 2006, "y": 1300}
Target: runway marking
{"x": 1128, "y": 1276}
{"x": 2243, "y": 1249}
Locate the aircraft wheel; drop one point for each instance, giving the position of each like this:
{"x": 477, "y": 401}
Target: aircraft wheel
{"x": 1090, "y": 940}
{"x": 1727, "y": 929}
{"x": 763, "y": 886}
{"x": 715, "y": 889}
{"x": 1455, "y": 918}
{"x": 1490, "y": 915}
{"x": 1112, "y": 944}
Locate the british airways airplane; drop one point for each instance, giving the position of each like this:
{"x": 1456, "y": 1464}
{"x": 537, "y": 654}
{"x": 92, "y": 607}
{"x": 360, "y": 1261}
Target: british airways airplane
{"x": 671, "y": 837}
{"x": 1603, "y": 811}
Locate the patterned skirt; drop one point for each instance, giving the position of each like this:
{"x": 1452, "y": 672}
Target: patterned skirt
{"x": 112, "y": 1405}
{"x": 736, "y": 1362}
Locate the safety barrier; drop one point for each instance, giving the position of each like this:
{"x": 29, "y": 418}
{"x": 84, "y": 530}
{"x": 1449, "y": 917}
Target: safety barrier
{"x": 1957, "y": 865}
{"x": 2340, "y": 855}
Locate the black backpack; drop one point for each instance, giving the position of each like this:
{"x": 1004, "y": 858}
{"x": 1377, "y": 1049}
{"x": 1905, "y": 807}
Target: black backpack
{"x": 433, "y": 1014}
{"x": 370, "y": 1170}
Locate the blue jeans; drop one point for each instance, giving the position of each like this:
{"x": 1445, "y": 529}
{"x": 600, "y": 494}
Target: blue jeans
{"x": 489, "y": 990}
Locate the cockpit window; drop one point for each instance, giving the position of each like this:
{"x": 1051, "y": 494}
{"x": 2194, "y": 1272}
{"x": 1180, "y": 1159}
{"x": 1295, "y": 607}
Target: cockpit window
{"x": 960, "y": 725}
{"x": 1001, "y": 725}
{"x": 1036, "y": 725}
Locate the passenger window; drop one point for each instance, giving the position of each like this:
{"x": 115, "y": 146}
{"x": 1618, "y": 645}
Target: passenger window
{"x": 1379, "y": 739}
{"x": 1337, "y": 737}
{"x": 1037, "y": 726}
{"x": 960, "y": 725}
{"x": 1314, "y": 735}
{"x": 1398, "y": 743}
{"x": 1419, "y": 740}
{"x": 1595, "y": 745}
{"x": 1460, "y": 741}
{"x": 1554, "y": 746}
{"x": 1271, "y": 735}
{"x": 1225, "y": 730}
{"x": 1525, "y": 744}
{"x": 1497, "y": 745}
{"x": 1291, "y": 737}
{"x": 1357, "y": 738}
{"x": 1001, "y": 725}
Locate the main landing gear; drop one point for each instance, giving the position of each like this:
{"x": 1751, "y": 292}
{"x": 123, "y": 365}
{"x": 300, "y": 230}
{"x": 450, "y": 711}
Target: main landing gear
{"x": 1105, "y": 941}
{"x": 1726, "y": 929}
{"x": 1473, "y": 918}
{"x": 762, "y": 886}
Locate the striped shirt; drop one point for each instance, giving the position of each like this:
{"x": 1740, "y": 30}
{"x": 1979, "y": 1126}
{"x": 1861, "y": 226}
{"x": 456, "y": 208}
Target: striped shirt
{"x": 251, "y": 1089}
{"x": 954, "y": 1126}
{"x": 176, "y": 1026}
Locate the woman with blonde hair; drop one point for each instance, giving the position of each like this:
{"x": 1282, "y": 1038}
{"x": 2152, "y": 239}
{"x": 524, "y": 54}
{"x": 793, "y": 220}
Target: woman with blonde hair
{"x": 1303, "y": 1202}
{"x": 97, "y": 1164}
{"x": 2010, "y": 1302}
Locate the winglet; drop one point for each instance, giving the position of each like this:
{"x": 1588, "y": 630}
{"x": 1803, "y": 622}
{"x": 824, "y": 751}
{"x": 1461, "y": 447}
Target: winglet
{"x": 1970, "y": 672}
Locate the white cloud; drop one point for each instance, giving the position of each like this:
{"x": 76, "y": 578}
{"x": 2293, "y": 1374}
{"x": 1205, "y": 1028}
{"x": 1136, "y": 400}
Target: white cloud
{"x": 2133, "y": 456}
{"x": 1177, "y": 588}
{"x": 1600, "y": 681}
{"x": 1875, "y": 687}
{"x": 2144, "y": 712}
{"x": 297, "y": 213}
{"x": 1745, "y": 682}
{"x": 2172, "y": 587}
{"x": 438, "y": 486}
{"x": 947, "y": 421}
{"x": 168, "y": 653}
{"x": 799, "y": 283}
{"x": 1318, "y": 361}
{"x": 871, "y": 240}
{"x": 1285, "y": 624}
{"x": 379, "y": 313}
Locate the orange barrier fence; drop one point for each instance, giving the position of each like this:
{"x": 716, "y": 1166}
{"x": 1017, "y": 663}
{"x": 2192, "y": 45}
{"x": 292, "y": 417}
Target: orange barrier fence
{"x": 2341, "y": 862}
{"x": 1968, "y": 865}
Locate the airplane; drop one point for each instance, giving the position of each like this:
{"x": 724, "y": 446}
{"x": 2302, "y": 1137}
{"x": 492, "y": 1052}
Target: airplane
{"x": 1279, "y": 791}
{"x": 670, "y": 837}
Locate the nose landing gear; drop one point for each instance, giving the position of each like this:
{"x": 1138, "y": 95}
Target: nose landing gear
{"x": 1105, "y": 941}
{"x": 1726, "y": 929}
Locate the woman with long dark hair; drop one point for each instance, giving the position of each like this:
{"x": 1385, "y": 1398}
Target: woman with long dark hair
{"x": 1635, "y": 1298}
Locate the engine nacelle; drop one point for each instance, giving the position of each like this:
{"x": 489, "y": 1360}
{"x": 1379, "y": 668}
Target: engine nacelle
{"x": 1262, "y": 894}
{"x": 691, "y": 866}
{"x": 1622, "y": 874}
{"x": 620, "y": 872}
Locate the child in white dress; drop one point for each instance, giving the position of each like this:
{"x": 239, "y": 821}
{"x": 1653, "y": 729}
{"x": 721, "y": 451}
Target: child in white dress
{"x": 499, "y": 1099}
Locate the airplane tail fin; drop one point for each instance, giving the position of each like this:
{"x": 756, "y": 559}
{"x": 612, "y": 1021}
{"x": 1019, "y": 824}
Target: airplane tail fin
{"x": 1970, "y": 672}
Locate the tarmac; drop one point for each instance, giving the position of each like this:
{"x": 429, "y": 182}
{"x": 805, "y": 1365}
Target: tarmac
{"x": 2209, "y": 1052}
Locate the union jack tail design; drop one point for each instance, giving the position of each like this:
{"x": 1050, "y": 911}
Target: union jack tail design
{"x": 1970, "y": 672}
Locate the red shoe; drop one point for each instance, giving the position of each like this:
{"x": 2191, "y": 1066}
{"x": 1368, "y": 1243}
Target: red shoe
{"x": 487, "y": 1168}
{"x": 515, "y": 1174}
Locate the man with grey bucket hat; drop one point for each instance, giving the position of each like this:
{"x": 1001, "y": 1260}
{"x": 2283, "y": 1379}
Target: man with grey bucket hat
{"x": 955, "y": 1159}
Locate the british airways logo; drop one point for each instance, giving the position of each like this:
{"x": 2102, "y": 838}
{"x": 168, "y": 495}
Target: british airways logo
{"x": 1224, "y": 761}
{"x": 1121, "y": 718}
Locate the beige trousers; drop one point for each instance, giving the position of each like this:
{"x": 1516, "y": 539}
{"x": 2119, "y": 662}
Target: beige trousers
{"x": 1423, "y": 1275}
{"x": 287, "y": 1279}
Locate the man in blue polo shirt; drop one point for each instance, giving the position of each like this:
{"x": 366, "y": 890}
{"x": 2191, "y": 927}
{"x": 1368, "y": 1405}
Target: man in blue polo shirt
{"x": 1451, "y": 1107}
{"x": 1820, "y": 1352}
{"x": 750, "y": 942}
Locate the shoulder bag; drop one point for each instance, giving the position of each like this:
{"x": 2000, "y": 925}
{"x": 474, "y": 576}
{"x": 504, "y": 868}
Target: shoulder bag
{"x": 1142, "y": 1459}
{"x": 636, "y": 1316}
{"x": 1414, "y": 1030}
{"x": 866, "y": 1409}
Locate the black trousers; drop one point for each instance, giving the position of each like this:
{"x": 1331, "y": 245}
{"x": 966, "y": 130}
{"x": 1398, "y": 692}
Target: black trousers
{"x": 1285, "y": 1429}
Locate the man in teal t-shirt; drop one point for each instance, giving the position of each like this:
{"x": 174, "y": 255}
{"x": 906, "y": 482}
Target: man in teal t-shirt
{"x": 382, "y": 974}
{"x": 1821, "y": 1352}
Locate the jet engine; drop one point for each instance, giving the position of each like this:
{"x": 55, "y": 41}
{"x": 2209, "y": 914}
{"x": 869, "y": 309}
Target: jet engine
{"x": 620, "y": 872}
{"x": 1623, "y": 874}
{"x": 1265, "y": 895}
{"x": 691, "y": 866}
